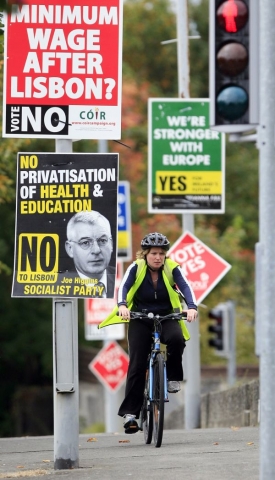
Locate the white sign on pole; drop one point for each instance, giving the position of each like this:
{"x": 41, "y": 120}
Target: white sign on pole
{"x": 113, "y": 332}
{"x": 96, "y": 311}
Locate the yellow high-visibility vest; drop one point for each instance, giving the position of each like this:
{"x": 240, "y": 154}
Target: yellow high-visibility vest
{"x": 167, "y": 276}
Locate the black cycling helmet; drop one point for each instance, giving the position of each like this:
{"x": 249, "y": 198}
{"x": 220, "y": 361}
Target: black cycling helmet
{"x": 155, "y": 240}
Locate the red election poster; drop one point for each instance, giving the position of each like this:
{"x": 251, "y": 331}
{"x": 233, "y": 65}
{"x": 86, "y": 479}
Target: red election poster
{"x": 110, "y": 366}
{"x": 202, "y": 267}
{"x": 63, "y": 70}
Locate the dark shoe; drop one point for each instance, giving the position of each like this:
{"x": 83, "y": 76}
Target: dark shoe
{"x": 130, "y": 424}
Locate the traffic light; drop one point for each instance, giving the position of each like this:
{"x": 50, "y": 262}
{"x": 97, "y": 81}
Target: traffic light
{"x": 220, "y": 327}
{"x": 234, "y": 65}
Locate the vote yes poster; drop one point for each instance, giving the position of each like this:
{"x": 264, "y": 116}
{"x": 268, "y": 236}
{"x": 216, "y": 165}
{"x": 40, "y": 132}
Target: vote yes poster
{"x": 66, "y": 225}
{"x": 186, "y": 159}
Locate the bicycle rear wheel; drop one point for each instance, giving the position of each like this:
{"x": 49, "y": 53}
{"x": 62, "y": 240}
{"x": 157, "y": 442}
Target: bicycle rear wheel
{"x": 158, "y": 400}
{"x": 147, "y": 416}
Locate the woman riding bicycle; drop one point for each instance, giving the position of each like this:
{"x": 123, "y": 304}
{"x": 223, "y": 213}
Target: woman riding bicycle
{"x": 148, "y": 286}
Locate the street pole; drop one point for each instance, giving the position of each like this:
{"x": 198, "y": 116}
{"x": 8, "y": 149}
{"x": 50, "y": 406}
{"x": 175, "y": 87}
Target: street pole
{"x": 65, "y": 372}
{"x": 191, "y": 361}
{"x": 267, "y": 238}
{"x": 231, "y": 364}
{"x": 111, "y": 400}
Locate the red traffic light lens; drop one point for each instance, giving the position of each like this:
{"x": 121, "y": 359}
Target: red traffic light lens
{"x": 232, "y": 59}
{"x": 232, "y": 15}
{"x": 215, "y": 314}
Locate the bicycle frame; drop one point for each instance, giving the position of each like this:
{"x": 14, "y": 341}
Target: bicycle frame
{"x": 156, "y": 351}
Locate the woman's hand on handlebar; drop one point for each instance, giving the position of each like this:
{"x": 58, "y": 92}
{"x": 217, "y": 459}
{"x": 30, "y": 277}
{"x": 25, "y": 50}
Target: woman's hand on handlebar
{"x": 191, "y": 315}
{"x": 124, "y": 312}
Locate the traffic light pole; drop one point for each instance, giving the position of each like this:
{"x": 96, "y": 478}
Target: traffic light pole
{"x": 231, "y": 364}
{"x": 191, "y": 362}
{"x": 267, "y": 238}
{"x": 222, "y": 326}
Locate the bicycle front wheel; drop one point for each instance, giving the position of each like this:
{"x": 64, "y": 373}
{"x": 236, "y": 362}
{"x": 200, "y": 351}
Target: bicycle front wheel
{"x": 147, "y": 415}
{"x": 158, "y": 400}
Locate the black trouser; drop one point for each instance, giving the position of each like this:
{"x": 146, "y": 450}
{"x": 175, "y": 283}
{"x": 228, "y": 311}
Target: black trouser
{"x": 140, "y": 340}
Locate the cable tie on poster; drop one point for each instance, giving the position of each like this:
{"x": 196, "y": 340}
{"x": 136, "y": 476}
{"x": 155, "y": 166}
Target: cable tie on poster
{"x": 57, "y": 120}
{"x": 124, "y": 144}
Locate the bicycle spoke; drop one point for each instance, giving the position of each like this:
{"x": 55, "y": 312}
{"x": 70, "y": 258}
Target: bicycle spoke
{"x": 158, "y": 400}
{"x": 147, "y": 416}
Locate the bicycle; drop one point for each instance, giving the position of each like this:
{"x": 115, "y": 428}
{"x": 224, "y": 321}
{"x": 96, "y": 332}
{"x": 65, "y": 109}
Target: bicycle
{"x": 155, "y": 390}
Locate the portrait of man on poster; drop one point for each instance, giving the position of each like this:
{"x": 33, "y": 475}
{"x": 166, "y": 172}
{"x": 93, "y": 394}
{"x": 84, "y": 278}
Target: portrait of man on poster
{"x": 90, "y": 245}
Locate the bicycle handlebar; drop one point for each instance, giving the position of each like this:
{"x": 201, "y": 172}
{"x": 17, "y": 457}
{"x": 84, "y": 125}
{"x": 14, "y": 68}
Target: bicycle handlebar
{"x": 152, "y": 316}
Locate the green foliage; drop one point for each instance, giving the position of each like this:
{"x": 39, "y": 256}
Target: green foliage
{"x": 198, "y": 18}
{"x": 241, "y": 189}
{"x": 6, "y": 5}
{"x": 146, "y": 25}
{"x": 94, "y": 428}
{"x": 25, "y": 331}
{"x": 237, "y": 285}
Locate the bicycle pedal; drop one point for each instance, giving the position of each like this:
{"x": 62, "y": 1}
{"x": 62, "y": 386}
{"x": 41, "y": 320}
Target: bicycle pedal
{"x": 132, "y": 428}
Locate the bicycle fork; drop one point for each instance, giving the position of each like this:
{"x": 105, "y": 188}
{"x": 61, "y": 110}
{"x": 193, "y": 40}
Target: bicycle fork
{"x": 156, "y": 352}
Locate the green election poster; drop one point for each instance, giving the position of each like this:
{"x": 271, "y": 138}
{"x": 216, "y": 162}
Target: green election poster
{"x": 186, "y": 158}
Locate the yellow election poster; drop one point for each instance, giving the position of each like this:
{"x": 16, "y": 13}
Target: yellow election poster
{"x": 66, "y": 225}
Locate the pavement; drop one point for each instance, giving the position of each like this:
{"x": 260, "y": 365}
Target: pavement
{"x": 200, "y": 454}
